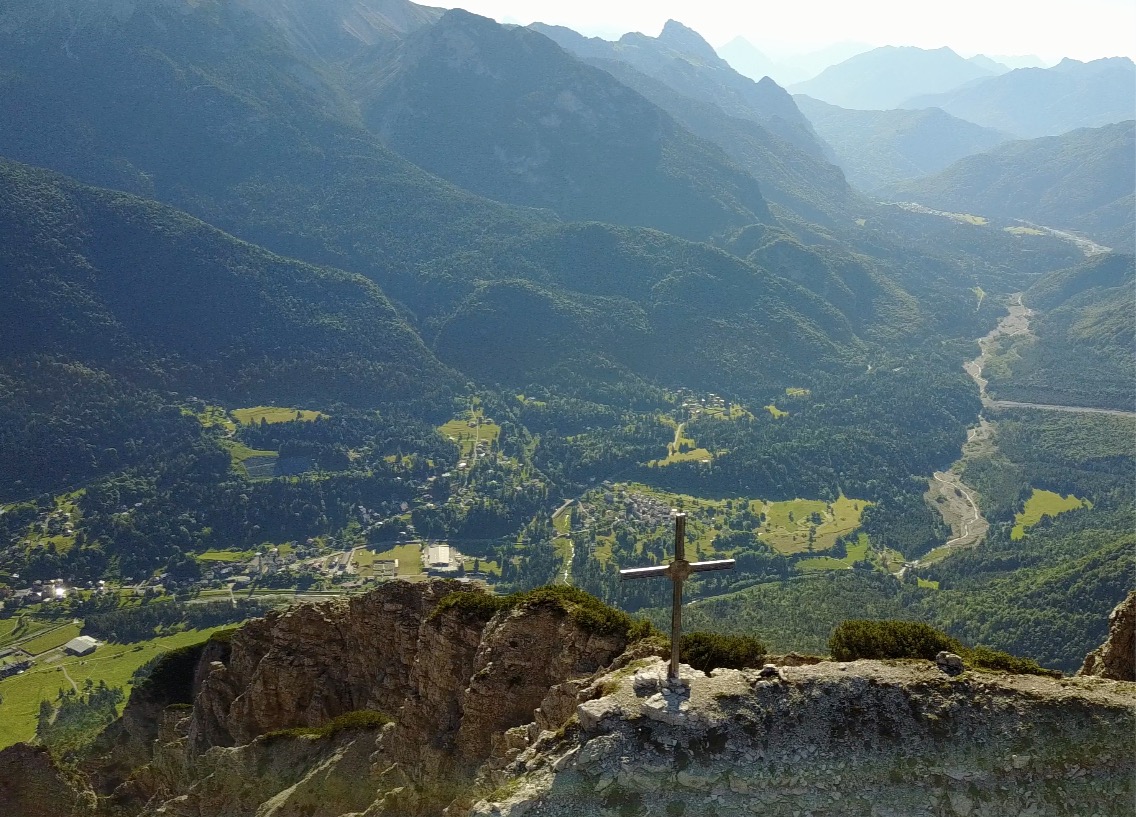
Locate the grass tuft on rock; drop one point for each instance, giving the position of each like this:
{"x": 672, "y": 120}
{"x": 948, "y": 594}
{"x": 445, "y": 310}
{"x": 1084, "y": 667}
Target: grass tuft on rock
{"x": 357, "y": 719}
{"x": 986, "y": 658}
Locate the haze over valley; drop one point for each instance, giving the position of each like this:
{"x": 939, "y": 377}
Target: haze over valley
{"x": 309, "y": 300}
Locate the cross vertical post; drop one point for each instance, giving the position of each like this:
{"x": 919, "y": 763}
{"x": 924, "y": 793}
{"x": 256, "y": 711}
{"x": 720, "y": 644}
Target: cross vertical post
{"x": 678, "y": 572}
{"x": 678, "y": 576}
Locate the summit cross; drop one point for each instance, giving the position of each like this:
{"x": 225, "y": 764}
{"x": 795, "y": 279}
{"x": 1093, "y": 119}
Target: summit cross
{"x": 677, "y": 571}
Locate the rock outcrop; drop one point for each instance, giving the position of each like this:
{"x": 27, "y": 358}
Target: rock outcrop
{"x": 453, "y": 681}
{"x": 33, "y": 785}
{"x": 540, "y": 706}
{"x": 1116, "y": 657}
{"x": 863, "y": 739}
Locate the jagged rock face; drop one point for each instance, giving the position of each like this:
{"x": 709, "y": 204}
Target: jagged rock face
{"x": 314, "y": 662}
{"x": 1116, "y": 658}
{"x": 866, "y": 739}
{"x": 31, "y": 785}
{"x": 453, "y": 683}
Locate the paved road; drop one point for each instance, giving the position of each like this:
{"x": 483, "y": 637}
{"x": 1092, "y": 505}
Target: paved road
{"x": 1051, "y": 407}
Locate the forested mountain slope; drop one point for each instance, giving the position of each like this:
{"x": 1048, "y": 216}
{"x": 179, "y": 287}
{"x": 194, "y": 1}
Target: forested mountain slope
{"x": 883, "y": 78}
{"x": 115, "y": 281}
{"x": 876, "y": 148}
{"x": 152, "y": 99}
{"x": 1083, "y": 345}
{"x": 539, "y": 128}
{"x": 1034, "y": 102}
{"x": 1082, "y": 181}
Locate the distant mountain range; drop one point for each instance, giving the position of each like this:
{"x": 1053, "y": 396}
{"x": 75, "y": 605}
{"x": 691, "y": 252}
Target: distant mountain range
{"x": 877, "y": 148}
{"x": 749, "y": 60}
{"x": 1084, "y": 181}
{"x": 756, "y": 124}
{"x": 681, "y": 59}
{"x": 541, "y": 129}
{"x": 887, "y": 77}
{"x": 1032, "y": 102}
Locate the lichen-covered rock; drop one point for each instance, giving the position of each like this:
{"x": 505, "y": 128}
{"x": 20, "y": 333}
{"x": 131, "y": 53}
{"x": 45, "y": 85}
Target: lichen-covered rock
{"x": 1116, "y": 658}
{"x": 32, "y": 785}
{"x": 862, "y": 739}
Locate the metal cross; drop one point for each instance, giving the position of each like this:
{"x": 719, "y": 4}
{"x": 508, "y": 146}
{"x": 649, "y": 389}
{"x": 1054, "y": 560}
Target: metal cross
{"x": 677, "y": 571}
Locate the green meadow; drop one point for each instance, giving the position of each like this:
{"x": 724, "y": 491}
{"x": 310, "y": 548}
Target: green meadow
{"x": 112, "y": 663}
{"x": 467, "y": 431}
{"x": 272, "y": 414}
{"x": 1042, "y": 504}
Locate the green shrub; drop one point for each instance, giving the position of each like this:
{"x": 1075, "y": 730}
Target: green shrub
{"x": 358, "y": 719}
{"x": 707, "y": 651}
{"x": 474, "y": 605}
{"x": 986, "y": 658}
{"x": 588, "y": 612}
{"x": 852, "y": 640}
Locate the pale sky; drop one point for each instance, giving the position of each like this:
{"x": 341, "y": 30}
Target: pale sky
{"x": 1051, "y": 29}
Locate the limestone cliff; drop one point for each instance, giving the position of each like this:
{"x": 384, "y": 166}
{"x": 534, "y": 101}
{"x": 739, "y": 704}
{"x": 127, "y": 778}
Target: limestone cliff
{"x": 541, "y": 706}
{"x": 1116, "y": 658}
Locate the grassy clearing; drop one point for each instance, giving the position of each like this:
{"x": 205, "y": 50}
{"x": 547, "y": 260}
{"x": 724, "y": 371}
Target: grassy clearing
{"x": 249, "y": 460}
{"x": 225, "y": 556}
{"x": 51, "y": 639}
{"x": 273, "y": 414}
{"x": 856, "y": 553}
{"x": 775, "y": 412}
{"x": 929, "y": 584}
{"x": 786, "y": 527}
{"x": 213, "y": 416}
{"x": 18, "y": 627}
{"x": 409, "y": 559}
{"x": 787, "y": 524}
{"x": 562, "y": 520}
{"x": 681, "y": 449}
{"x": 468, "y": 431}
{"x": 1023, "y": 230}
{"x": 1042, "y": 504}
{"x": 795, "y": 392}
{"x": 112, "y": 663}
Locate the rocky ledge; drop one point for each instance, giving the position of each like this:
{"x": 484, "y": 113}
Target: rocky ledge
{"x": 429, "y": 700}
{"x": 878, "y": 739}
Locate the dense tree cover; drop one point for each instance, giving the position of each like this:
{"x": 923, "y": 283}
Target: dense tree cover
{"x": 1045, "y": 596}
{"x": 125, "y": 624}
{"x": 126, "y": 284}
{"x": 1048, "y": 594}
{"x": 75, "y": 718}
{"x": 874, "y": 435}
{"x": 62, "y": 424}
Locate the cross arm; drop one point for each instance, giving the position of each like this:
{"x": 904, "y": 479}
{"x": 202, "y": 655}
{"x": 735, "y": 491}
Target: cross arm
{"x": 644, "y": 572}
{"x": 715, "y": 564}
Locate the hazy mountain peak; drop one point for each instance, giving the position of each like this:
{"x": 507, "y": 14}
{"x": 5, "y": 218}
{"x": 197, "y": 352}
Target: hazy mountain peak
{"x": 886, "y": 77}
{"x": 687, "y": 40}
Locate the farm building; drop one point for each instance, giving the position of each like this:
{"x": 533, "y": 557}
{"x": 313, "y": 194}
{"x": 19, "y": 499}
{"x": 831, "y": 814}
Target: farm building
{"x": 81, "y": 645}
{"x": 438, "y": 556}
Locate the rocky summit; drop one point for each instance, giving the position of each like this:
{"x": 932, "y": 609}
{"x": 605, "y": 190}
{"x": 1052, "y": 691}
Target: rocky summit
{"x": 432, "y": 699}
